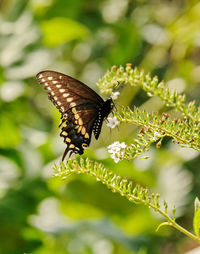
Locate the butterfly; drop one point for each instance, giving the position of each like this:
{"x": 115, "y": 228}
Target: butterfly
{"x": 82, "y": 109}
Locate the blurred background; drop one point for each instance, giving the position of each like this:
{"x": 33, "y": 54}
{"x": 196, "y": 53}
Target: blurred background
{"x": 84, "y": 38}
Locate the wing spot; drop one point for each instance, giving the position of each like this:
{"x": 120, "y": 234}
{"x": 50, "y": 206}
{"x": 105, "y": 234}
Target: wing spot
{"x": 74, "y": 111}
{"x": 40, "y": 76}
{"x": 86, "y": 135}
{"x": 50, "y": 78}
{"x": 52, "y": 93}
{"x": 73, "y": 104}
{"x": 58, "y": 86}
{"x": 83, "y": 131}
{"x": 43, "y": 80}
{"x": 76, "y": 116}
{"x": 68, "y": 140}
{"x": 46, "y": 84}
{"x": 62, "y": 90}
{"x": 65, "y": 94}
{"x": 59, "y": 103}
{"x": 54, "y": 81}
{"x": 69, "y": 99}
{"x": 64, "y": 133}
{"x": 80, "y": 122}
{"x": 60, "y": 77}
{"x": 79, "y": 129}
{"x": 55, "y": 98}
{"x": 84, "y": 145}
{"x": 62, "y": 109}
{"x": 49, "y": 88}
{"x": 71, "y": 146}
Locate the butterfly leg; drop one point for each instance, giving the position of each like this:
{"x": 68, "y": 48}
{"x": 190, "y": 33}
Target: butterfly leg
{"x": 65, "y": 153}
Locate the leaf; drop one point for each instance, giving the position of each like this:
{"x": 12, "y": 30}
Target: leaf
{"x": 196, "y": 220}
{"x": 59, "y": 30}
{"x": 196, "y": 204}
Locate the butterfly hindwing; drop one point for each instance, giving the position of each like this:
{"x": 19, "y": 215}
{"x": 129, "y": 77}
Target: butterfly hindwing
{"x": 82, "y": 109}
{"x": 77, "y": 129}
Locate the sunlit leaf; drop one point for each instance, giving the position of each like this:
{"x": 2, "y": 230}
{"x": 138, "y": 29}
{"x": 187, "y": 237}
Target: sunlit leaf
{"x": 59, "y": 30}
{"x": 196, "y": 220}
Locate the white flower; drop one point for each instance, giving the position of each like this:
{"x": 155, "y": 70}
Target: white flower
{"x": 115, "y": 158}
{"x": 112, "y": 122}
{"x": 115, "y": 95}
{"x": 116, "y": 149}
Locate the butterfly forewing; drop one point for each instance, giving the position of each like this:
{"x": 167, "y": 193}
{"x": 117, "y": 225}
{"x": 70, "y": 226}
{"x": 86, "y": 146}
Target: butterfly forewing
{"x": 66, "y": 92}
{"x": 80, "y": 106}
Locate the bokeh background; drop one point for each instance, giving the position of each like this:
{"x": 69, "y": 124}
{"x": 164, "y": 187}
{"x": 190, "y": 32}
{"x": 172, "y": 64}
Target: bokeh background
{"x": 84, "y": 38}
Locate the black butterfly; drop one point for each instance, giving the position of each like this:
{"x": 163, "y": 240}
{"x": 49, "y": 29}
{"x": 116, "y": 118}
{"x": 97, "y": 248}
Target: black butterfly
{"x": 83, "y": 110}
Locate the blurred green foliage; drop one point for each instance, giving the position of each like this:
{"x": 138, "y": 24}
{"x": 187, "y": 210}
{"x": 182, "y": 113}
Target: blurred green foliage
{"x": 84, "y": 38}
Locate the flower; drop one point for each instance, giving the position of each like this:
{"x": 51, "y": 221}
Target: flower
{"x": 115, "y": 95}
{"x": 116, "y": 149}
{"x": 112, "y": 122}
{"x": 115, "y": 158}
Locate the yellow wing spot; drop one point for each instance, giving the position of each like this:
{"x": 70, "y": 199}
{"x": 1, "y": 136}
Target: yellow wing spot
{"x": 84, "y": 145}
{"x": 83, "y": 131}
{"x": 76, "y": 122}
{"x": 79, "y": 129}
{"x": 74, "y": 111}
{"x": 86, "y": 135}
{"x": 68, "y": 140}
{"x": 62, "y": 109}
{"x": 80, "y": 122}
{"x": 77, "y": 148}
{"x": 65, "y": 125}
{"x": 71, "y": 146}
{"x": 64, "y": 133}
{"x": 76, "y": 116}
{"x": 76, "y": 127}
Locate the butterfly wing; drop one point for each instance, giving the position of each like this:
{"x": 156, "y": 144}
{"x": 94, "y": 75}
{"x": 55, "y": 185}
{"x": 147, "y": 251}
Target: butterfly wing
{"x": 77, "y": 129}
{"x": 66, "y": 92}
{"x": 79, "y": 106}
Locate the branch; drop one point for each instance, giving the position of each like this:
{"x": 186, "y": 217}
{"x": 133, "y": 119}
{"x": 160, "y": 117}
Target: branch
{"x": 119, "y": 77}
{"x": 120, "y": 185}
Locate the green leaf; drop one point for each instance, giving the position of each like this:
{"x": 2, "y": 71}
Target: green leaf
{"x": 196, "y": 220}
{"x": 196, "y": 204}
{"x": 59, "y": 30}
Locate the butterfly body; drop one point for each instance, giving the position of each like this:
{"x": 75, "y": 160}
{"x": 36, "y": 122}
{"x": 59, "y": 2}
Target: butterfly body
{"x": 83, "y": 110}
